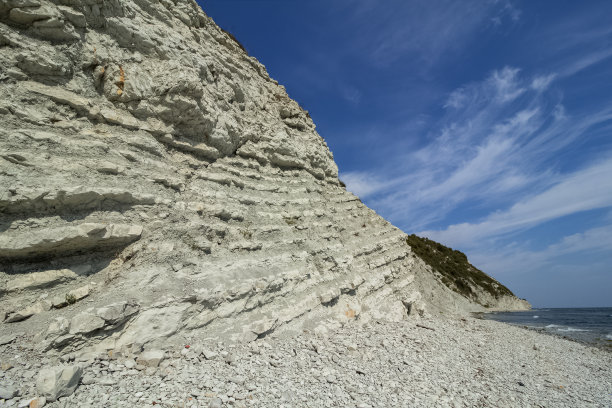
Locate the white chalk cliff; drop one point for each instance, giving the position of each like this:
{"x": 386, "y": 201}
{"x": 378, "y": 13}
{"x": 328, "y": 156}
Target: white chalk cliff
{"x": 157, "y": 185}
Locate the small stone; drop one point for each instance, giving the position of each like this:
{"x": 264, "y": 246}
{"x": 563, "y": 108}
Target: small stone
{"x": 209, "y": 354}
{"x": 287, "y": 396}
{"x": 37, "y": 402}
{"x": 129, "y": 364}
{"x": 150, "y": 371}
{"x": 109, "y": 168}
{"x": 215, "y": 403}
{"x": 107, "y": 381}
{"x": 229, "y": 358}
{"x": 88, "y": 379}
{"x": 237, "y": 380}
{"x": 151, "y": 358}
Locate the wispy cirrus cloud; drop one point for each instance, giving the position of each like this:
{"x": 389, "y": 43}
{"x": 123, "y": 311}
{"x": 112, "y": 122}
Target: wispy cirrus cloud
{"x": 584, "y": 190}
{"x": 425, "y": 31}
{"x": 497, "y": 145}
{"x": 526, "y": 260}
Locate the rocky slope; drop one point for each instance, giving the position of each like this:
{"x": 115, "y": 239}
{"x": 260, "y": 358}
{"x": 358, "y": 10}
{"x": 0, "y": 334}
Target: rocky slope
{"x": 158, "y": 186}
{"x": 454, "y": 270}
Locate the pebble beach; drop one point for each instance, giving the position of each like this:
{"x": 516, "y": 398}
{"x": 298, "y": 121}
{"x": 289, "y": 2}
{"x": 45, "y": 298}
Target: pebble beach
{"x": 441, "y": 362}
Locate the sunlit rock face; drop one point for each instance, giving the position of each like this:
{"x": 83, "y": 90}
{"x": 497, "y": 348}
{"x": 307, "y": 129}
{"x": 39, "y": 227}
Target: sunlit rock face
{"x": 157, "y": 185}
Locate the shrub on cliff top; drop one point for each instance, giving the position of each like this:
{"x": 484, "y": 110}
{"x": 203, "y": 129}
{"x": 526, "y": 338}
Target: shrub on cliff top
{"x": 457, "y": 273}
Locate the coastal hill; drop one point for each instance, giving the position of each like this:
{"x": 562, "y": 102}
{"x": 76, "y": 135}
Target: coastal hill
{"x": 453, "y": 269}
{"x": 159, "y": 187}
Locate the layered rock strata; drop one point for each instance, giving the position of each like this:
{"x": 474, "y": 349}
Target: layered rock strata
{"x": 158, "y": 185}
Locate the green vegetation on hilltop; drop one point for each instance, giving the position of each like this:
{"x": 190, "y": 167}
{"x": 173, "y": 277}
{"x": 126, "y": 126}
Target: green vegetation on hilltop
{"x": 455, "y": 270}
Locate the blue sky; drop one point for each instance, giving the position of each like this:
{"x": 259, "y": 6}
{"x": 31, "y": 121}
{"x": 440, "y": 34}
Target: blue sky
{"x": 484, "y": 125}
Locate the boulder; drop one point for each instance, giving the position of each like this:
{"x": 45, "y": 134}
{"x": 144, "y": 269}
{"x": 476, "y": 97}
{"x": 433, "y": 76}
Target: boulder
{"x": 85, "y": 323}
{"x": 56, "y": 382}
{"x": 27, "y": 312}
{"x": 117, "y": 313}
{"x": 8, "y": 392}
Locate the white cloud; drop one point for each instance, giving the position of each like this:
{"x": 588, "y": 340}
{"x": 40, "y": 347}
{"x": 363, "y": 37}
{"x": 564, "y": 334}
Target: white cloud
{"x": 501, "y": 86}
{"x": 456, "y": 99}
{"x": 424, "y": 31}
{"x": 520, "y": 259}
{"x": 362, "y": 184}
{"x": 506, "y": 84}
{"x": 492, "y": 151}
{"x": 584, "y": 62}
{"x": 586, "y": 189}
{"x": 541, "y": 83}
{"x": 350, "y": 93}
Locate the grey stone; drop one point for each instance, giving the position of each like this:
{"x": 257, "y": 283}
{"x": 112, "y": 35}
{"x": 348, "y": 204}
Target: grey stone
{"x": 36, "y": 402}
{"x": 40, "y": 279}
{"x": 28, "y": 15}
{"x": 151, "y": 358}
{"x": 88, "y": 379}
{"x": 85, "y": 323}
{"x": 215, "y": 403}
{"x": 209, "y": 354}
{"x": 27, "y": 312}
{"x": 129, "y": 364}
{"x": 117, "y": 313}
{"x": 56, "y": 382}
{"x": 107, "y": 381}
{"x": 8, "y": 392}
{"x": 7, "y": 339}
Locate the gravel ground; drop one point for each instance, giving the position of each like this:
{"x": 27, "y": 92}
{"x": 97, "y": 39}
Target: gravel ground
{"x": 445, "y": 362}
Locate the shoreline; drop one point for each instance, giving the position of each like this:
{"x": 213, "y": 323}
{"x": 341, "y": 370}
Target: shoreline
{"x": 607, "y": 347}
{"x": 448, "y": 361}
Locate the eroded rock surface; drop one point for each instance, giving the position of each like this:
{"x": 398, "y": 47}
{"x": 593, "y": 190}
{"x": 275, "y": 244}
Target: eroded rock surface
{"x": 156, "y": 184}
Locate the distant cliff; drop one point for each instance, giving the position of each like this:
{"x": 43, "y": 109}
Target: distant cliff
{"x": 454, "y": 270}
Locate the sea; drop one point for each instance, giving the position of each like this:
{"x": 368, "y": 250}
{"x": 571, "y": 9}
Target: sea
{"x": 589, "y": 325}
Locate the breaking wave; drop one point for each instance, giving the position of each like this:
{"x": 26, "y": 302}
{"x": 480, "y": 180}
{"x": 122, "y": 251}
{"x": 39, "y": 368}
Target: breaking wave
{"x": 572, "y": 329}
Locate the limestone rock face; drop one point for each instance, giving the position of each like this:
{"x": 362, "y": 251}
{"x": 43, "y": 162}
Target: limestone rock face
{"x": 148, "y": 164}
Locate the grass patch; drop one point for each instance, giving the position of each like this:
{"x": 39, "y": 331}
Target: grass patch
{"x": 457, "y": 273}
